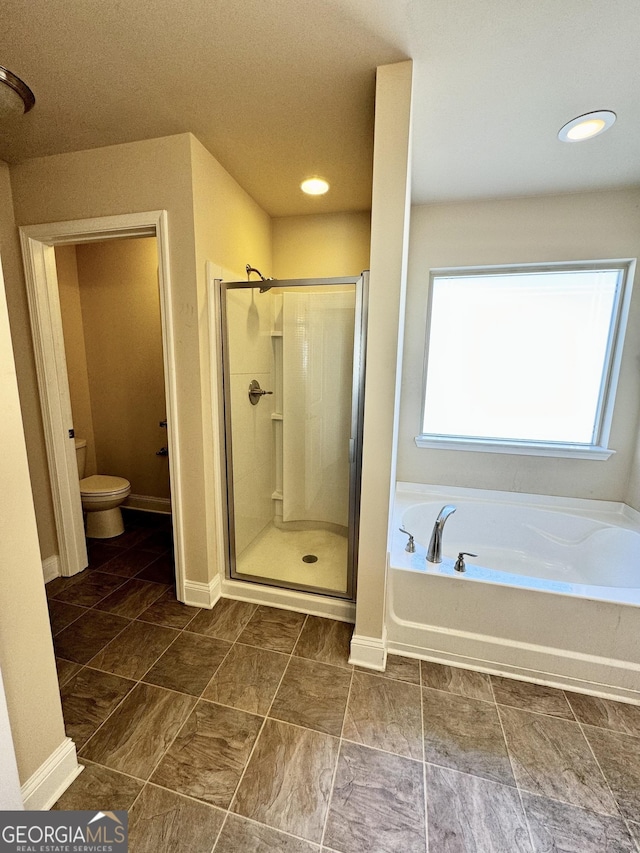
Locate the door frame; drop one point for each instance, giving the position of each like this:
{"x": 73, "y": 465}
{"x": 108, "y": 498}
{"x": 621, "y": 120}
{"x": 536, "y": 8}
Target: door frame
{"x": 38, "y": 242}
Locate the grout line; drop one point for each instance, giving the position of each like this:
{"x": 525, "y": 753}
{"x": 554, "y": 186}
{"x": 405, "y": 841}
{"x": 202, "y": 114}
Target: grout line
{"x": 424, "y": 763}
{"x": 335, "y": 769}
{"x": 513, "y": 769}
{"x": 380, "y": 749}
{"x": 264, "y": 722}
{"x": 602, "y": 773}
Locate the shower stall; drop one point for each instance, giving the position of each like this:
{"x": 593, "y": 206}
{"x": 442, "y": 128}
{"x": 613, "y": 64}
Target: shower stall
{"x": 293, "y": 374}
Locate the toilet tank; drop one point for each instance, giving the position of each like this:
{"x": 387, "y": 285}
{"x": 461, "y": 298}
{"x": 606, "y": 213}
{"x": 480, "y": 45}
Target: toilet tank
{"x": 81, "y": 455}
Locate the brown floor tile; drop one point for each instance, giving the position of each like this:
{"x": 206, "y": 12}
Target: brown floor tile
{"x": 470, "y": 813}
{"x": 164, "y": 822}
{"x": 271, "y": 628}
{"x": 62, "y": 614}
{"x": 128, "y": 563}
{"x": 189, "y": 664}
{"x": 135, "y": 650}
{"x": 136, "y": 735}
{"x": 606, "y": 714}
{"x": 401, "y": 669}
{"x": 158, "y": 541}
{"x": 531, "y": 697}
{"x": 313, "y": 695}
{"x": 567, "y": 829}
{"x": 552, "y": 758}
{"x": 170, "y": 612}
{"x": 377, "y": 803}
{"x": 85, "y": 637}
{"x": 93, "y": 587}
{"x": 98, "y": 788}
{"x": 288, "y": 781}
{"x": 325, "y": 640}
{"x": 244, "y": 836}
{"x": 619, "y": 757}
{"x": 66, "y": 669}
{"x": 384, "y": 714}
{"x": 161, "y": 570}
{"x": 247, "y": 679}
{"x": 453, "y": 679}
{"x": 209, "y": 754}
{"x": 131, "y": 599}
{"x": 87, "y": 700}
{"x": 55, "y": 586}
{"x": 465, "y": 734}
{"x": 100, "y": 552}
{"x": 225, "y": 621}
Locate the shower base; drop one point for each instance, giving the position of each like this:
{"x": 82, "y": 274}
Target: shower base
{"x": 277, "y": 554}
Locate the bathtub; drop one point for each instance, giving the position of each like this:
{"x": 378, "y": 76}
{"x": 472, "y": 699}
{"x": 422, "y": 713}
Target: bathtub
{"x": 553, "y": 595}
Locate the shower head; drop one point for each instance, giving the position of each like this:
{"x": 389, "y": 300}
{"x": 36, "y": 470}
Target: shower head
{"x": 264, "y": 287}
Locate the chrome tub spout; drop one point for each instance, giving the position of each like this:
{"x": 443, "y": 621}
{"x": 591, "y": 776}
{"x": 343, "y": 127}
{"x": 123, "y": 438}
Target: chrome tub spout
{"x": 434, "y": 552}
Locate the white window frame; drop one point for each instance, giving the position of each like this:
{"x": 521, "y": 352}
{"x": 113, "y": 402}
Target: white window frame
{"x": 599, "y": 449}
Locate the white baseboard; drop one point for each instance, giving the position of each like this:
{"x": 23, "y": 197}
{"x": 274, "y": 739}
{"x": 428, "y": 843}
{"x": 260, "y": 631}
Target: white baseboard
{"x": 52, "y": 778}
{"x": 549, "y": 679}
{"x": 51, "y": 568}
{"x": 198, "y": 594}
{"x": 147, "y": 503}
{"x": 287, "y": 599}
{"x": 370, "y": 652}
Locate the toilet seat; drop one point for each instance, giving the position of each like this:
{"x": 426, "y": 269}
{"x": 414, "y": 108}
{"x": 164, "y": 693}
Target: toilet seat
{"x": 103, "y": 485}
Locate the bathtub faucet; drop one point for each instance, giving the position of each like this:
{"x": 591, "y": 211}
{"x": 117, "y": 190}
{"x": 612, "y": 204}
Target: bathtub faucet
{"x": 434, "y": 552}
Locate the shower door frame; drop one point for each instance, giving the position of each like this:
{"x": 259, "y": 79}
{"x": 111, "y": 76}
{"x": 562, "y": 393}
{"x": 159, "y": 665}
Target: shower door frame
{"x": 361, "y": 284}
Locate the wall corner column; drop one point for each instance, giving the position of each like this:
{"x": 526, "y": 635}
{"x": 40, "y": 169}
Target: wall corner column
{"x": 390, "y": 214}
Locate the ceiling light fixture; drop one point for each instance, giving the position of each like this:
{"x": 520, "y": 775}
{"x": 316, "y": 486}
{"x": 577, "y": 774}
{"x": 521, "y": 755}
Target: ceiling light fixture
{"x": 586, "y": 126}
{"x": 16, "y": 98}
{"x": 314, "y": 186}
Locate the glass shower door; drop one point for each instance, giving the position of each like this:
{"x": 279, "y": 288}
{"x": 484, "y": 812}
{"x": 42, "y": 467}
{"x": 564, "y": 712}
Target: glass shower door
{"x": 292, "y": 377}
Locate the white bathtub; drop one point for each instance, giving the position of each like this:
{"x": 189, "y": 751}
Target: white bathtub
{"x": 553, "y": 595}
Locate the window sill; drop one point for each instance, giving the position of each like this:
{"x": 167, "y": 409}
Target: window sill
{"x": 518, "y": 448}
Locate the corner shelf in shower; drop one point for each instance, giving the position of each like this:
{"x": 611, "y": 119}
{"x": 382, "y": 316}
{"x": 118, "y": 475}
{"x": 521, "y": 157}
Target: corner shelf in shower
{"x": 276, "y": 416}
{"x": 276, "y": 334}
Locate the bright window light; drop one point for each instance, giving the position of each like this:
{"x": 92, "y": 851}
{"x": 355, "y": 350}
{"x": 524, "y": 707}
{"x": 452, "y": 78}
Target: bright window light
{"x": 524, "y": 355}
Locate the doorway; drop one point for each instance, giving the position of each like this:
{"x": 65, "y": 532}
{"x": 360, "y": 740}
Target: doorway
{"x": 293, "y": 373}
{"x": 39, "y": 244}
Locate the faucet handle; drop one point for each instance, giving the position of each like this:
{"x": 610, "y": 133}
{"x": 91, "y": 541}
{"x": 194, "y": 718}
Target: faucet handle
{"x": 411, "y": 545}
{"x": 460, "y": 566}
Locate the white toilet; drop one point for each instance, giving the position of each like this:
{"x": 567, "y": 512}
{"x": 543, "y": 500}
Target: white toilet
{"x": 101, "y": 497}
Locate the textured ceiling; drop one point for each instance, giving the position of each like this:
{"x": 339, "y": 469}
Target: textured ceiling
{"x": 281, "y": 89}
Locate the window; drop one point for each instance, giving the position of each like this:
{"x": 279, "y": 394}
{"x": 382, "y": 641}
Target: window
{"x": 525, "y": 359}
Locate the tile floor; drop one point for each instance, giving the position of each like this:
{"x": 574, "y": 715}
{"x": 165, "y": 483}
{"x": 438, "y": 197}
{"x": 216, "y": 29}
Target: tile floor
{"x": 244, "y": 730}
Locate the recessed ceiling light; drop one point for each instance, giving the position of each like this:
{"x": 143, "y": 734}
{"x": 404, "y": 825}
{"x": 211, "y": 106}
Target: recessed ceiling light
{"x": 586, "y": 126}
{"x": 314, "y": 186}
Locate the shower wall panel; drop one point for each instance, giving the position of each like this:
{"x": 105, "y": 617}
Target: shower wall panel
{"x": 250, "y": 357}
{"x": 317, "y": 369}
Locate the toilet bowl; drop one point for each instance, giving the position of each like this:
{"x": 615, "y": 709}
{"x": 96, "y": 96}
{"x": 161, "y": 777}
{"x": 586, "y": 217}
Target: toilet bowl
{"x": 101, "y": 496}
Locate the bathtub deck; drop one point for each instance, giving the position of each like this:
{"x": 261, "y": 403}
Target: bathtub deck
{"x": 246, "y": 729}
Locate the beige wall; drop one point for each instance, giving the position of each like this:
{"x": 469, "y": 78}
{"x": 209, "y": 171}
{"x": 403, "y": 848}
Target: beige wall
{"x": 26, "y": 369}
{"x": 528, "y": 230}
{"x": 150, "y": 175}
{"x": 75, "y": 352}
{"x": 231, "y": 230}
{"x": 26, "y": 650}
{"x": 321, "y": 246}
{"x": 123, "y": 337}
